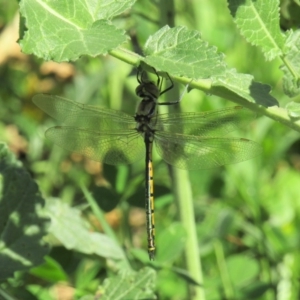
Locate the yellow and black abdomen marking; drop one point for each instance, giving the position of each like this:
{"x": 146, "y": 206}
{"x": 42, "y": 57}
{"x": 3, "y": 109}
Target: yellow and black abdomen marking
{"x": 149, "y": 203}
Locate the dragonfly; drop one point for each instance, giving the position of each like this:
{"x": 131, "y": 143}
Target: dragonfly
{"x": 188, "y": 140}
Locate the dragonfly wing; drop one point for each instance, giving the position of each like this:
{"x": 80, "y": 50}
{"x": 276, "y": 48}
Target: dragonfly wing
{"x": 72, "y": 113}
{"x": 206, "y": 124}
{"x": 193, "y": 152}
{"x": 125, "y": 147}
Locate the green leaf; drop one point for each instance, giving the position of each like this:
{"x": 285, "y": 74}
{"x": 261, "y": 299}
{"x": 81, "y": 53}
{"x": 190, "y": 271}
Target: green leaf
{"x": 140, "y": 254}
{"x": 130, "y": 285}
{"x": 293, "y": 109}
{"x": 51, "y": 270}
{"x": 233, "y": 86}
{"x": 258, "y": 21}
{"x": 66, "y": 29}
{"x": 256, "y": 290}
{"x": 86, "y": 272}
{"x": 291, "y": 68}
{"x": 70, "y": 229}
{"x": 109, "y": 8}
{"x": 182, "y": 52}
{"x": 185, "y": 275}
{"x": 170, "y": 243}
{"x": 242, "y": 269}
{"x": 23, "y": 224}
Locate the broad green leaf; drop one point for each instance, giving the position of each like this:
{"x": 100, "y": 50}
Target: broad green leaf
{"x": 242, "y": 269}
{"x": 256, "y": 290}
{"x": 170, "y": 243}
{"x": 140, "y": 254}
{"x": 107, "y": 9}
{"x": 86, "y": 272}
{"x": 233, "y": 86}
{"x": 129, "y": 285}
{"x": 291, "y": 69}
{"x": 182, "y": 52}
{"x": 22, "y": 225}
{"x": 258, "y": 21}
{"x": 66, "y": 29}
{"x": 51, "y": 271}
{"x": 70, "y": 229}
{"x": 185, "y": 275}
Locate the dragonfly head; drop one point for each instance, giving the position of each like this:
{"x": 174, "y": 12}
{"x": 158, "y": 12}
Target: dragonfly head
{"x": 147, "y": 90}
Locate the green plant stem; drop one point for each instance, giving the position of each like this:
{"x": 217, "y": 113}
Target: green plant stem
{"x": 228, "y": 289}
{"x": 126, "y": 56}
{"x": 182, "y": 191}
{"x": 181, "y": 186}
{"x": 183, "y": 194}
{"x": 274, "y": 112}
{"x": 98, "y": 213}
{"x": 101, "y": 217}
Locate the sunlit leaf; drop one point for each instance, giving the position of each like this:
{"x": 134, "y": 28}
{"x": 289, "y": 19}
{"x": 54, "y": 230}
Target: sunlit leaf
{"x": 70, "y": 229}
{"x": 170, "y": 243}
{"x": 242, "y": 269}
{"x": 291, "y": 79}
{"x": 51, "y": 270}
{"x": 22, "y": 225}
{"x": 258, "y": 21}
{"x": 235, "y": 85}
{"x": 67, "y": 29}
{"x": 182, "y": 52}
{"x": 129, "y": 285}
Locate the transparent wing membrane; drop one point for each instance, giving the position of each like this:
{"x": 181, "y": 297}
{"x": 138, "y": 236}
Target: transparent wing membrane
{"x": 205, "y": 124}
{"x": 72, "y": 113}
{"x": 125, "y": 147}
{"x": 185, "y": 140}
{"x": 193, "y": 152}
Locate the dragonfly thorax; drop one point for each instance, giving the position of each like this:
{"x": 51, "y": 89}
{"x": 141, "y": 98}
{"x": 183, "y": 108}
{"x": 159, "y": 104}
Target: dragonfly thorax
{"x": 147, "y": 90}
{"x": 147, "y": 109}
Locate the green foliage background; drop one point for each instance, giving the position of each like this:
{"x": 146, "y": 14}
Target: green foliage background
{"x": 246, "y": 215}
